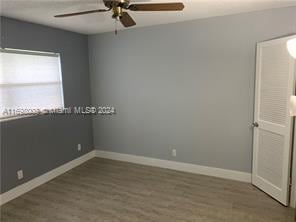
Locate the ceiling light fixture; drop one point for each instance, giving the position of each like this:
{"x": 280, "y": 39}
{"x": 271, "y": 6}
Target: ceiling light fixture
{"x": 291, "y": 46}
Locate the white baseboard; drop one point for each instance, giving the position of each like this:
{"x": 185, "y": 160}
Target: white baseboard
{"x": 179, "y": 166}
{"x": 30, "y": 185}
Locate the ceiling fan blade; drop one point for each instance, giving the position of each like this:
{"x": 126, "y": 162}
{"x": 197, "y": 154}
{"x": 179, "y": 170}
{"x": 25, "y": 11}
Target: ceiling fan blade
{"x": 81, "y": 13}
{"x": 127, "y": 20}
{"x": 176, "y": 6}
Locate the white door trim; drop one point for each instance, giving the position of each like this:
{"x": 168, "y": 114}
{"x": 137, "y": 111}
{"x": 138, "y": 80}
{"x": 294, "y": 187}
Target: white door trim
{"x": 293, "y": 188}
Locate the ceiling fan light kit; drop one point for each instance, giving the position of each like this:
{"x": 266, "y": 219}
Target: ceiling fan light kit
{"x": 119, "y": 8}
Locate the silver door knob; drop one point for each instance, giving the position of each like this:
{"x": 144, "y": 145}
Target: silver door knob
{"x": 255, "y": 124}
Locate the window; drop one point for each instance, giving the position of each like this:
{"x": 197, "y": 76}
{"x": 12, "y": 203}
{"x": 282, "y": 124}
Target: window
{"x": 29, "y": 80}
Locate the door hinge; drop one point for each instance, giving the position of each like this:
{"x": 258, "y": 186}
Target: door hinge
{"x": 290, "y": 182}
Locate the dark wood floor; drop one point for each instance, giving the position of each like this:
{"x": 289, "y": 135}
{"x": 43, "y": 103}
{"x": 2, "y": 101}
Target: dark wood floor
{"x": 106, "y": 190}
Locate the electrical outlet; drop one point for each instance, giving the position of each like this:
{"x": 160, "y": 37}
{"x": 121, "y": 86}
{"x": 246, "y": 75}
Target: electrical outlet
{"x": 79, "y": 147}
{"x": 20, "y": 174}
{"x": 174, "y": 152}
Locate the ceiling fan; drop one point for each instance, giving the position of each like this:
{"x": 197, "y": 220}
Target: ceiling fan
{"x": 119, "y": 8}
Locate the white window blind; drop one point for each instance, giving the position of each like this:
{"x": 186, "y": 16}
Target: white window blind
{"x": 29, "y": 80}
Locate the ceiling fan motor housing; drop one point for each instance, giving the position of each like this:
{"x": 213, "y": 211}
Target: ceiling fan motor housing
{"x": 117, "y": 12}
{"x": 117, "y": 6}
{"x": 116, "y": 3}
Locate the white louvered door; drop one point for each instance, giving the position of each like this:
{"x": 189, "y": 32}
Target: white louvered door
{"x": 275, "y": 81}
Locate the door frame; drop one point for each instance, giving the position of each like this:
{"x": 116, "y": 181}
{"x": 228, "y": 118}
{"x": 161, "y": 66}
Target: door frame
{"x": 293, "y": 173}
{"x": 293, "y": 165}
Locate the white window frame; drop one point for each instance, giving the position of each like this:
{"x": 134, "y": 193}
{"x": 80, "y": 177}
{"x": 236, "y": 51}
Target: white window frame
{"x": 41, "y": 53}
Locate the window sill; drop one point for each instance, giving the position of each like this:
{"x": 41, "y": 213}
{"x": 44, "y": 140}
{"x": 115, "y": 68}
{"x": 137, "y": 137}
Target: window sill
{"x": 18, "y": 117}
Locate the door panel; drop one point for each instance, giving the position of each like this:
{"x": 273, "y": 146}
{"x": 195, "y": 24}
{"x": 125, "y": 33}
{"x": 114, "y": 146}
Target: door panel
{"x": 275, "y": 75}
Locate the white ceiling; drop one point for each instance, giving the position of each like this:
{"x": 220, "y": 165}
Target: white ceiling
{"x": 42, "y": 12}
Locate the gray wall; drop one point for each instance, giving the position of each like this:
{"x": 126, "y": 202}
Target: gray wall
{"x": 39, "y": 144}
{"x": 188, "y": 85}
